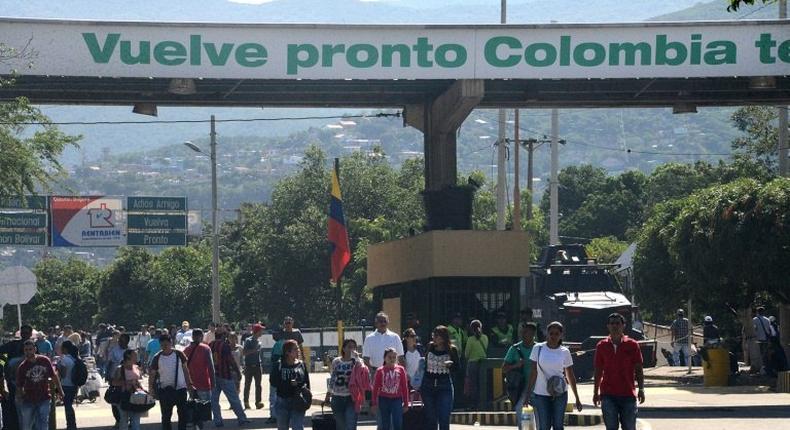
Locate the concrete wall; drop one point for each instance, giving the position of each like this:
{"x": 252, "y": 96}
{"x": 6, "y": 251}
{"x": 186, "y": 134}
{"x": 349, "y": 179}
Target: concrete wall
{"x": 449, "y": 253}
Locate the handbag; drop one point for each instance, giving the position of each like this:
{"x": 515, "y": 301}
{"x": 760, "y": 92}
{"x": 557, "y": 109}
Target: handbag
{"x": 302, "y": 399}
{"x": 117, "y": 395}
{"x": 199, "y": 410}
{"x": 138, "y": 402}
{"x": 555, "y": 385}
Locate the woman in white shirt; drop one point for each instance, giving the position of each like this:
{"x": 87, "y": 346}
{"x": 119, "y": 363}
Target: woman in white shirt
{"x": 552, "y": 371}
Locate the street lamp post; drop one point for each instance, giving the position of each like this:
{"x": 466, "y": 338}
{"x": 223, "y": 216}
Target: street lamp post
{"x": 215, "y": 314}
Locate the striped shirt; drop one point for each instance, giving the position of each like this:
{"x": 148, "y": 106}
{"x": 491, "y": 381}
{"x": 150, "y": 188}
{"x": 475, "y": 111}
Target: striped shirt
{"x": 224, "y": 364}
{"x": 680, "y": 329}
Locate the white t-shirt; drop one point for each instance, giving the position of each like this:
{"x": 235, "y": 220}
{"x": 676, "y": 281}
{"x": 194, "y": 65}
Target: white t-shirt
{"x": 377, "y": 342}
{"x": 167, "y": 371}
{"x": 412, "y": 363}
{"x": 552, "y": 363}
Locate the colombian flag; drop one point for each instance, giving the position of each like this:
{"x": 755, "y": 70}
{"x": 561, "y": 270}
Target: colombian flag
{"x": 338, "y": 236}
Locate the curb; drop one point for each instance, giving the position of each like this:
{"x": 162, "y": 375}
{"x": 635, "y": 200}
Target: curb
{"x": 509, "y": 419}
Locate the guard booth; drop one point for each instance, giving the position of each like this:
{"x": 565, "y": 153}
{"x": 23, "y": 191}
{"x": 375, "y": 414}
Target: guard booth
{"x": 441, "y": 272}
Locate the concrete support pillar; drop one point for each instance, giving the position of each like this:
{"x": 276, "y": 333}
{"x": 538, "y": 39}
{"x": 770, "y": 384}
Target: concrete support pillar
{"x": 439, "y": 120}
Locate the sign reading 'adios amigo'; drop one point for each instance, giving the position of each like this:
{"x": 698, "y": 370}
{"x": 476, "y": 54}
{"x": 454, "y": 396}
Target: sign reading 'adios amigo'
{"x": 407, "y": 52}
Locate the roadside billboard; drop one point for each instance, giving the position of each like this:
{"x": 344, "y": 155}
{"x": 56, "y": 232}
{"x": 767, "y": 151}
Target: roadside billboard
{"x": 87, "y": 221}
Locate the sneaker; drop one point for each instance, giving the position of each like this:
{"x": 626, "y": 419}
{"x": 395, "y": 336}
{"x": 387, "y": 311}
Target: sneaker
{"x": 259, "y": 406}
{"x": 246, "y": 406}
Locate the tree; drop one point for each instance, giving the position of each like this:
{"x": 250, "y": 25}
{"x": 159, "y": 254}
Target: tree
{"x": 66, "y": 295}
{"x": 660, "y": 287}
{"x": 27, "y": 160}
{"x": 576, "y": 183}
{"x": 611, "y": 206}
{"x": 724, "y": 245}
{"x": 761, "y": 134}
{"x": 605, "y": 249}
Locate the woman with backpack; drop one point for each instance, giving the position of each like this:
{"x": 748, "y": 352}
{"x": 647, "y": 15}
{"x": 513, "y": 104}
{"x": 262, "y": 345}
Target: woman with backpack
{"x": 66, "y": 366}
{"x": 346, "y": 371}
{"x": 552, "y": 371}
{"x": 290, "y": 378}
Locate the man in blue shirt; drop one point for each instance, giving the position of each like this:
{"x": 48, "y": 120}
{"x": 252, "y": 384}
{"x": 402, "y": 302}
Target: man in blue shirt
{"x": 43, "y": 346}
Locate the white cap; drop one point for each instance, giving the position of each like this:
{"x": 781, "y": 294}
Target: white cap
{"x": 708, "y": 319}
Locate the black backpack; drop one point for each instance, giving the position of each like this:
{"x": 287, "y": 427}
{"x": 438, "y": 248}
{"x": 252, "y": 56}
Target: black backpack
{"x": 79, "y": 374}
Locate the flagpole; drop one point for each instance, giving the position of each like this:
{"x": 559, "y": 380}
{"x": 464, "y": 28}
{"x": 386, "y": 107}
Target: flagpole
{"x": 340, "y": 276}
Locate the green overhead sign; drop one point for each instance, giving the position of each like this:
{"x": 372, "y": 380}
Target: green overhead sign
{"x": 156, "y": 239}
{"x": 25, "y": 202}
{"x": 11, "y": 238}
{"x": 156, "y": 204}
{"x": 23, "y": 220}
{"x": 156, "y": 222}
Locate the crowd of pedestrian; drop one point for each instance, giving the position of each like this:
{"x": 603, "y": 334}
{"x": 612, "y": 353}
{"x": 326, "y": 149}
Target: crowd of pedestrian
{"x": 437, "y": 370}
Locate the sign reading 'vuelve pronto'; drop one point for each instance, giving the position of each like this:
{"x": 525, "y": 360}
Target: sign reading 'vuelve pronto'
{"x": 645, "y": 50}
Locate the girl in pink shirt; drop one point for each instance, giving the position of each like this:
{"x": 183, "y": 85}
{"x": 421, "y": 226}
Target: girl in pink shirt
{"x": 390, "y": 392}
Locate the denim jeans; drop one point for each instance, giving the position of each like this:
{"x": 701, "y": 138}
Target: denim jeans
{"x": 676, "y": 348}
{"x": 619, "y": 410}
{"x": 69, "y": 393}
{"x": 550, "y": 411}
{"x": 34, "y": 416}
{"x": 391, "y": 412}
{"x": 227, "y": 386}
{"x": 437, "y": 399}
{"x": 202, "y": 395}
{"x": 344, "y": 412}
{"x": 131, "y": 419}
{"x": 287, "y": 418}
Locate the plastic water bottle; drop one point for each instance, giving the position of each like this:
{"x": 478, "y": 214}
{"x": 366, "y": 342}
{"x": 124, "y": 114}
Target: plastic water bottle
{"x": 526, "y": 418}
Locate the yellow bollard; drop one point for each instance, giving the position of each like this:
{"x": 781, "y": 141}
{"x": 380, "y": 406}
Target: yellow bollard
{"x": 716, "y": 371}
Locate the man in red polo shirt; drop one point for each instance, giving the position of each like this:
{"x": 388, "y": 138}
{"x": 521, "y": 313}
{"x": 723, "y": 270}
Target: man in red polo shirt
{"x": 618, "y": 361}
{"x": 201, "y": 368}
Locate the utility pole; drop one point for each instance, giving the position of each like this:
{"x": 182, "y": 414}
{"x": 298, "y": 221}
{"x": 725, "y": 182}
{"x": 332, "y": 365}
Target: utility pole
{"x": 215, "y": 314}
{"x": 530, "y": 150}
{"x": 554, "y": 236}
{"x": 501, "y": 196}
{"x": 782, "y": 111}
{"x": 784, "y": 310}
{"x": 516, "y": 167}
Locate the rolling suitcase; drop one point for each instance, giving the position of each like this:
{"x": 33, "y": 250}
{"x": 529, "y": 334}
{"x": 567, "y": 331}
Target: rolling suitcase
{"x": 323, "y": 421}
{"x": 414, "y": 419}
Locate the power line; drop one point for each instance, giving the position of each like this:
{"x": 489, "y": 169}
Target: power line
{"x": 609, "y": 148}
{"x": 193, "y": 121}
